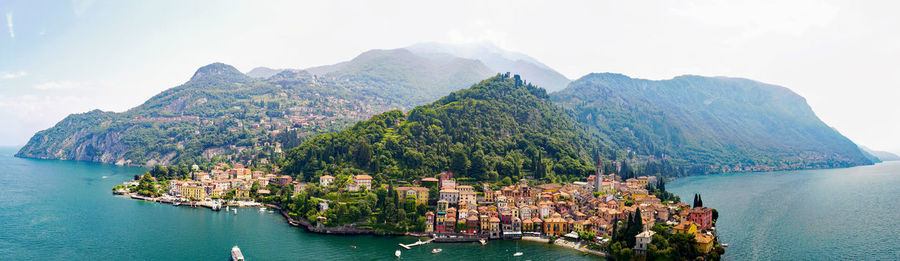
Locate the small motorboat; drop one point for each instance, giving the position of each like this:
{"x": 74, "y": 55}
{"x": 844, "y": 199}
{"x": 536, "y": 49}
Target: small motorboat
{"x": 352, "y": 246}
{"x": 518, "y": 254}
{"x": 236, "y": 254}
{"x": 482, "y": 241}
{"x": 235, "y": 211}
{"x": 262, "y": 209}
{"x": 724, "y": 244}
{"x": 436, "y": 250}
{"x": 397, "y": 253}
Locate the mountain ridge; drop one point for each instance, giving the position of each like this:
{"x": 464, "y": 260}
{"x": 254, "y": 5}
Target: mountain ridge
{"x": 723, "y": 123}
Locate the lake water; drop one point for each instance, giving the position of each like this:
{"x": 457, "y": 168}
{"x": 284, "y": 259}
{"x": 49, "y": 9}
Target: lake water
{"x": 63, "y": 210}
{"x": 835, "y": 214}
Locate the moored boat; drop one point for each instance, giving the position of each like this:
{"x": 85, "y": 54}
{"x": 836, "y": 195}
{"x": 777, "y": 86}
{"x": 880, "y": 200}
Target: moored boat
{"x": 397, "y": 253}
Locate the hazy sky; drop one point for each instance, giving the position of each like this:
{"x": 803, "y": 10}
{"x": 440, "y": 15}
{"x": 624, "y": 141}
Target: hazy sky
{"x": 62, "y": 57}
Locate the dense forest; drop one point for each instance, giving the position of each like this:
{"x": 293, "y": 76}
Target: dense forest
{"x": 500, "y": 128}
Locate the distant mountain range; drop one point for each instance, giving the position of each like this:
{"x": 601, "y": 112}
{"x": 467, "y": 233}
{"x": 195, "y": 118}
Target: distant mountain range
{"x": 689, "y": 124}
{"x": 879, "y": 156}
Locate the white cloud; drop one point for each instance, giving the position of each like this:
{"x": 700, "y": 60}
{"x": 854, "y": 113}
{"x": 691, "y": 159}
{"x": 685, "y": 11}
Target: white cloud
{"x": 81, "y": 6}
{"x": 12, "y": 75}
{"x": 12, "y": 34}
{"x": 57, "y": 85}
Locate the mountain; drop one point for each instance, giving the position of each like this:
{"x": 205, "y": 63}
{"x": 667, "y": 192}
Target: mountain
{"x": 498, "y": 128}
{"x": 263, "y": 72}
{"x": 880, "y": 155}
{"x": 498, "y": 60}
{"x": 406, "y": 78}
{"x": 221, "y": 114}
{"x": 716, "y": 124}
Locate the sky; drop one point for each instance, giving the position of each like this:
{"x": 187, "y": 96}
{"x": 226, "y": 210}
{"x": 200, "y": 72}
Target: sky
{"x": 63, "y": 57}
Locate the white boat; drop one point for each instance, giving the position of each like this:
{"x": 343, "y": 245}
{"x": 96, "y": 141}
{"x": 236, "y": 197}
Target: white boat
{"x": 235, "y": 211}
{"x": 397, "y": 253}
{"x": 482, "y": 241}
{"x": 236, "y": 254}
{"x": 518, "y": 254}
{"x": 262, "y": 209}
{"x": 724, "y": 244}
{"x": 436, "y": 250}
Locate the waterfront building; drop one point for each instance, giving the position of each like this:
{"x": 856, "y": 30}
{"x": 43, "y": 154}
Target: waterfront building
{"x": 495, "y": 227}
{"x": 242, "y": 193}
{"x": 450, "y": 224}
{"x": 429, "y": 222}
{"x": 527, "y": 225}
{"x": 702, "y": 216}
{"x": 704, "y": 242}
{"x": 538, "y": 224}
{"x": 555, "y": 225}
{"x": 642, "y": 240}
{"x": 193, "y": 192}
{"x": 471, "y": 224}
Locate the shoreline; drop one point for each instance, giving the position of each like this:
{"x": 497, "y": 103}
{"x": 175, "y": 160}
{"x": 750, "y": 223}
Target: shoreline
{"x": 577, "y": 246}
{"x": 352, "y": 231}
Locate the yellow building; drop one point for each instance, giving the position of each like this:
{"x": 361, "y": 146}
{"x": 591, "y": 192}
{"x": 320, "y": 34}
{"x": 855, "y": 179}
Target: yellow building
{"x": 704, "y": 242}
{"x": 420, "y": 194}
{"x": 242, "y": 194}
{"x": 556, "y": 225}
{"x": 685, "y": 227}
{"x": 217, "y": 193}
{"x": 193, "y": 192}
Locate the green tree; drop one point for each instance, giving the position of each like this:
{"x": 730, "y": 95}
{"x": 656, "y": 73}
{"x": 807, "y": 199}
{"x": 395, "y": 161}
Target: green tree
{"x": 459, "y": 162}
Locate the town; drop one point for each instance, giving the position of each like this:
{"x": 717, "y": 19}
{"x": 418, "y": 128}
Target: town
{"x": 603, "y": 215}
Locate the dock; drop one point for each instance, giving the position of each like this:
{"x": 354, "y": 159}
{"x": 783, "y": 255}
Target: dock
{"x": 417, "y": 243}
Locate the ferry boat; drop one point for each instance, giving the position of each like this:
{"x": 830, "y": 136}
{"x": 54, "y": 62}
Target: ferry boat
{"x": 236, "y": 254}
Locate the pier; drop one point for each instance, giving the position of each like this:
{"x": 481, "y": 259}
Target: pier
{"x": 417, "y": 243}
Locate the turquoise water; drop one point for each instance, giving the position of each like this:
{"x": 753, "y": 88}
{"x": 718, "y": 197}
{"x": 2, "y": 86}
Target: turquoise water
{"x": 836, "y": 214}
{"x": 62, "y": 210}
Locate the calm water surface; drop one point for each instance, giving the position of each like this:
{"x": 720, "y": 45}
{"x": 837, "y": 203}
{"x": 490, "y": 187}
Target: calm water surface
{"x": 61, "y": 210}
{"x": 836, "y": 214}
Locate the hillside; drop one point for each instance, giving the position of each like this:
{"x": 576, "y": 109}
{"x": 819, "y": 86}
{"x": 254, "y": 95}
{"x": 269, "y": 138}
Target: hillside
{"x": 715, "y": 124}
{"x": 220, "y": 114}
{"x": 880, "y": 155}
{"x": 498, "y": 60}
{"x": 500, "y": 127}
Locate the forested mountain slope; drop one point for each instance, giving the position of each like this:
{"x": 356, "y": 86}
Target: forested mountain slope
{"x": 716, "y": 124}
